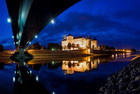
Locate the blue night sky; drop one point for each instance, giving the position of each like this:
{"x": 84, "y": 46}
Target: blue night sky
{"x": 113, "y": 22}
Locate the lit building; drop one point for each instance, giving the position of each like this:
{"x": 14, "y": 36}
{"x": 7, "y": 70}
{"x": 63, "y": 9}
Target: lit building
{"x": 76, "y": 43}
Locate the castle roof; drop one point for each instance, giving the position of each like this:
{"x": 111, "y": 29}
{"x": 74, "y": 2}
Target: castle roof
{"x": 88, "y": 37}
{"x": 64, "y": 39}
{"x": 94, "y": 39}
{"x": 78, "y": 37}
{"x": 69, "y": 35}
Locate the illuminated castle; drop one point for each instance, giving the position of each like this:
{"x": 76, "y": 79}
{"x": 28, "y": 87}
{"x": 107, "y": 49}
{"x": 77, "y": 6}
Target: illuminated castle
{"x": 77, "y": 43}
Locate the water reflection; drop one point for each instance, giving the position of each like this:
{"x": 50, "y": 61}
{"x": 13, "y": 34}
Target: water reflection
{"x": 69, "y": 67}
{"x": 7, "y": 73}
{"x": 25, "y": 82}
{"x": 72, "y": 65}
{"x": 59, "y": 74}
{"x": 76, "y": 75}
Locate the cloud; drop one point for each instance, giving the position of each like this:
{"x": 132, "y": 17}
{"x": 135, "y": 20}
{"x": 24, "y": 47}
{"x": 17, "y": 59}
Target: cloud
{"x": 104, "y": 28}
{"x": 8, "y": 43}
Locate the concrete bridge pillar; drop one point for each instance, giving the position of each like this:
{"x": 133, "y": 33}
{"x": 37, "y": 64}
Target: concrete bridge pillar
{"x": 21, "y": 52}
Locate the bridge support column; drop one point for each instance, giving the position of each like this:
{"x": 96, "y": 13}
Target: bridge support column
{"x": 17, "y": 48}
{"x": 21, "y": 52}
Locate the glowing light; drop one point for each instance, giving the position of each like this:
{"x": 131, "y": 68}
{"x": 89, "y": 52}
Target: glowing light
{"x": 30, "y": 43}
{"x": 36, "y": 36}
{"x": 112, "y": 56}
{"x": 12, "y": 36}
{"x": 88, "y": 50}
{"x": 14, "y": 79}
{"x": 30, "y": 71}
{"x": 52, "y": 21}
{"x": 37, "y": 78}
{"x": 53, "y": 49}
{"x": 53, "y": 92}
{"x": 88, "y": 59}
{"x": 9, "y": 20}
{"x": 53, "y": 62}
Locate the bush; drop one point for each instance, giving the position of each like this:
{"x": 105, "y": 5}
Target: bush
{"x": 1, "y": 48}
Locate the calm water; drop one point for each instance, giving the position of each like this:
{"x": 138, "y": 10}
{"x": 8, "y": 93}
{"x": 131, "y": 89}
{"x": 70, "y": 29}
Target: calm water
{"x": 77, "y": 75}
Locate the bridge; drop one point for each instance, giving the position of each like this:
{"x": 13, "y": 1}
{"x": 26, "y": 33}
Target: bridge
{"x": 29, "y": 17}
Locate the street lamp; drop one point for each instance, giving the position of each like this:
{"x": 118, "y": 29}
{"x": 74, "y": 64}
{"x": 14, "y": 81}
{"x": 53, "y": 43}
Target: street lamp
{"x": 52, "y": 21}
{"x": 9, "y": 20}
{"x": 36, "y": 36}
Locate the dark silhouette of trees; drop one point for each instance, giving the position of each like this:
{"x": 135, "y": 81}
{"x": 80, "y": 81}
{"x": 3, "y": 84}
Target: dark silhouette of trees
{"x": 106, "y": 47}
{"x": 1, "y": 48}
{"x": 73, "y": 45}
{"x": 78, "y": 46}
{"x": 111, "y": 48}
{"x": 133, "y": 50}
{"x": 54, "y": 46}
{"x": 35, "y": 46}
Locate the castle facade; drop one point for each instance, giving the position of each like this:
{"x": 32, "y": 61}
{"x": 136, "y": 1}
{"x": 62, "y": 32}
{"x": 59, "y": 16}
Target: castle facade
{"x": 77, "y": 43}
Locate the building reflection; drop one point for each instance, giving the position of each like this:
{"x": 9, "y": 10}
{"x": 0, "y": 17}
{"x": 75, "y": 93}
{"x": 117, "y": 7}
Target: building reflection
{"x": 121, "y": 55}
{"x": 70, "y": 67}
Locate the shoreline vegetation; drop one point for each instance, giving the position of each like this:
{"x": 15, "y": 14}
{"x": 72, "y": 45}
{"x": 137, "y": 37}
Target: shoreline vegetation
{"x": 125, "y": 81}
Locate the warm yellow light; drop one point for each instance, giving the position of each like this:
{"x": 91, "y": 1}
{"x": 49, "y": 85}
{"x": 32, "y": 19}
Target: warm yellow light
{"x": 88, "y": 59}
{"x": 88, "y": 51}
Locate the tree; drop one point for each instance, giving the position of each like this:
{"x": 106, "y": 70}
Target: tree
{"x": 111, "y": 48}
{"x": 101, "y": 47}
{"x": 78, "y": 46}
{"x": 73, "y": 45}
{"x": 54, "y": 46}
{"x": 133, "y": 50}
{"x": 69, "y": 46}
{"x": 106, "y": 47}
{"x": 28, "y": 48}
{"x": 1, "y": 48}
{"x": 35, "y": 46}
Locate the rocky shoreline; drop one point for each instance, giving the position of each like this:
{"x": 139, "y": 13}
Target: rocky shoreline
{"x": 125, "y": 81}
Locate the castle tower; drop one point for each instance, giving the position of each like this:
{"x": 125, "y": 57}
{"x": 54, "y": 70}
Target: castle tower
{"x": 70, "y": 38}
{"x": 88, "y": 42}
{"x": 64, "y": 36}
{"x": 94, "y": 44}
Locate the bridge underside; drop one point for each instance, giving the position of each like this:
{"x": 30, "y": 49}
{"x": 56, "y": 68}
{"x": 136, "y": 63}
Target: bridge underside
{"x": 29, "y": 17}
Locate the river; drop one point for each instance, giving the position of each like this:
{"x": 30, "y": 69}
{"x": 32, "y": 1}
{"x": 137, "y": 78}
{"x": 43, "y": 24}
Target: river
{"x": 73, "y": 75}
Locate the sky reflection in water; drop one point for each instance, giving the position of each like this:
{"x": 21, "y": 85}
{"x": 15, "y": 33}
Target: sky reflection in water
{"x": 84, "y": 75}
{"x": 76, "y": 76}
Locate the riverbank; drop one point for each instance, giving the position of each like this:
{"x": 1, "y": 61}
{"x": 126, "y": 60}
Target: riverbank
{"x": 125, "y": 81}
{"x": 37, "y": 54}
{"x": 59, "y": 54}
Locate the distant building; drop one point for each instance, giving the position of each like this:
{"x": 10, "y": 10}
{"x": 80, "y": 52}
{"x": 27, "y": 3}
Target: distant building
{"x": 76, "y": 43}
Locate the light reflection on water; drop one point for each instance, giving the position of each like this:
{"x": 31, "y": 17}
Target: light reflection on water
{"x": 75, "y": 75}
